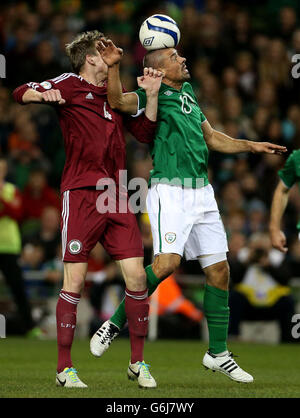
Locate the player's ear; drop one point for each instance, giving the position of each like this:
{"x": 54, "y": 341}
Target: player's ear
{"x": 90, "y": 59}
{"x": 161, "y": 70}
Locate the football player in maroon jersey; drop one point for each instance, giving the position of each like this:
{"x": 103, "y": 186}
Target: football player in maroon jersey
{"x": 94, "y": 143}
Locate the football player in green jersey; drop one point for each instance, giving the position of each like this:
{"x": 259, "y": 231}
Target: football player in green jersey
{"x": 183, "y": 212}
{"x": 289, "y": 175}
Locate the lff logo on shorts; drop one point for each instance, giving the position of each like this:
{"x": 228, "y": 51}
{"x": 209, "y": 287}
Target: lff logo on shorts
{"x": 75, "y": 246}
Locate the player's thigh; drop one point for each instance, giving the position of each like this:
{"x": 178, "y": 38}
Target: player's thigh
{"x": 134, "y": 273}
{"x": 74, "y": 276}
{"x": 170, "y": 222}
{"x": 81, "y": 224}
{"x": 207, "y": 238}
{"x": 122, "y": 238}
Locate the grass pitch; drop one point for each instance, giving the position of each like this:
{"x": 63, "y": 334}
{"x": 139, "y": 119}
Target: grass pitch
{"x": 27, "y": 370}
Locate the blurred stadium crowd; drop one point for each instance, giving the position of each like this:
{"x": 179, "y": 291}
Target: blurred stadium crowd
{"x": 239, "y": 56}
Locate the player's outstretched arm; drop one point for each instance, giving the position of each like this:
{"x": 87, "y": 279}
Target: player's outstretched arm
{"x": 218, "y": 141}
{"x": 279, "y": 203}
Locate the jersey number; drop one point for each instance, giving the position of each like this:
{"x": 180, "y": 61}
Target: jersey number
{"x": 107, "y": 115}
{"x": 185, "y": 107}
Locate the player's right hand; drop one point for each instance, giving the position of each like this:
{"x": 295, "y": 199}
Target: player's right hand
{"x": 110, "y": 54}
{"x": 52, "y": 96}
{"x": 278, "y": 240}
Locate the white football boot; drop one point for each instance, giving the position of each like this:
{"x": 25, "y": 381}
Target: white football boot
{"x": 140, "y": 371}
{"x": 102, "y": 339}
{"x": 69, "y": 379}
{"x": 226, "y": 365}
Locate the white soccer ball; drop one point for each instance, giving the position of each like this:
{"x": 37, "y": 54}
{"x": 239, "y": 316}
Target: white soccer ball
{"x": 159, "y": 31}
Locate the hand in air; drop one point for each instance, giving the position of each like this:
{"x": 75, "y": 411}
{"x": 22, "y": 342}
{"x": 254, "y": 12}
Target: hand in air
{"x": 268, "y": 148}
{"x": 110, "y": 54}
{"x": 150, "y": 81}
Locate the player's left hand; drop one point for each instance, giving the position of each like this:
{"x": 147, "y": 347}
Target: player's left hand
{"x": 150, "y": 81}
{"x": 110, "y": 54}
{"x": 267, "y": 148}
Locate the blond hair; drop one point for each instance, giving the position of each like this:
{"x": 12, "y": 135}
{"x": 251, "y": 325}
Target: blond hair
{"x": 81, "y": 46}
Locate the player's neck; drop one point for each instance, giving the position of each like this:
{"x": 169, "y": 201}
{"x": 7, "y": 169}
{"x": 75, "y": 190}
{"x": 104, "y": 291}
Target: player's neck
{"x": 174, "y": 84}
{"x": 95, "y": 79}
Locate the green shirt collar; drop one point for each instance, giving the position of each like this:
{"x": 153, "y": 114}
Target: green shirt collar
{"x": 164, "y": 87}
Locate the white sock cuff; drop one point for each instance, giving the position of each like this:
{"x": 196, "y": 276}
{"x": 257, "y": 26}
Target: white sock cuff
{"x": 68, "y": 298}
{"x": 136, "y": 297}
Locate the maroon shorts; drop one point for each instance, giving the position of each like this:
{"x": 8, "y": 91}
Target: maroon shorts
{"x": 82, "y": 226}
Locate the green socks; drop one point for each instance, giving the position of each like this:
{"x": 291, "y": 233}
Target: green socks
{"x": 215, "y": 307}
{"x": 119, "y": 317}
{"x": 216, "y": 311}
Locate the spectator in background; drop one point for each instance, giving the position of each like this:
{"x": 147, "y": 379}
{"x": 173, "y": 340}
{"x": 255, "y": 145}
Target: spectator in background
{"x": 23, "y": 147}
{"x": 38, "y": 195}
{"x": 287, "y": 23}
{"x": 10, "y": 248}
{"x": 260, "y": 287}
{"x": 19, "y": 54}
{"x": 44, "y": 65}
{"x": 6, "y": 119}
{"x": 54, "y": 270}
{"x": 48, "y": 233}
{"x": 246, "y": 74}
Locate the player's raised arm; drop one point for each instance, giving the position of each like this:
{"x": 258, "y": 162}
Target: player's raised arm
{"x": 144, "y": 126}
{"x": 218, "y": 141}
{"x": 111, "y": 55}
{"x": 150, "y": 81}
{"x": 279, "y": 204}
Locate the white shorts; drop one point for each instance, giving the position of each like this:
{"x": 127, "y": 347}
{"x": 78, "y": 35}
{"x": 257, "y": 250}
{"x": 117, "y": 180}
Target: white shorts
{"x": 185, "y": 221}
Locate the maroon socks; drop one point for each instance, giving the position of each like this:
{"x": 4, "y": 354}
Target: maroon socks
{"x": 66, "y": 309}
{"x": 137, "y": 311}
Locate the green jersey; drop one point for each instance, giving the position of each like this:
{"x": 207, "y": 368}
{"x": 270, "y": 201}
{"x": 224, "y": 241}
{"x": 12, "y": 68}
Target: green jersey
{"x": 179, "y": 150}
{"x": 290, "y": 173}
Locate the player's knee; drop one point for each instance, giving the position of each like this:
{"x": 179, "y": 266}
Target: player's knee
{"x": 136, "y": 281}
{"x": 73, "y": 281}
{"x": 218, "y": 276}
{"x": 165, "y": 264}
{"x": 74, "y": 284}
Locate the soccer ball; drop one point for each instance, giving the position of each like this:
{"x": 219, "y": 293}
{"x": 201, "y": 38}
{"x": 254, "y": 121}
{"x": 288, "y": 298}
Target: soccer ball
{"x": 159, "y": 31}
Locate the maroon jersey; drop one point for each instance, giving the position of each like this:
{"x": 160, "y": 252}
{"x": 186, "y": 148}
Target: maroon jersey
{"x": 93, "y": 133}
